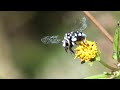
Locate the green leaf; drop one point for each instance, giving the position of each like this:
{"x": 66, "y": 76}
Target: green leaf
{"x": 117, "y": 73}
{"x": 117, "y": 77}
{"x": 114, "y": 56}
{"x": 105, "y": 75}
{"x": 119, "y": 54}
{"x": 99, "y": 76}
{"x": 116, "y": 43}
{"x": 90, "y": 63}
{"x": 98, "y": 56}
{"x": 112, "y": 74}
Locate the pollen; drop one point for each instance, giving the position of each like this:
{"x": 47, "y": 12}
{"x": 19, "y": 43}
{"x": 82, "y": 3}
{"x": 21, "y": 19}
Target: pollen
{"x": 86, "y": 51}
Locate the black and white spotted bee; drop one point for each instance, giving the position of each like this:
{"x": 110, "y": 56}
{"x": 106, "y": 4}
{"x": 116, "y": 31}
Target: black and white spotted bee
{"x": 70, "y": 38}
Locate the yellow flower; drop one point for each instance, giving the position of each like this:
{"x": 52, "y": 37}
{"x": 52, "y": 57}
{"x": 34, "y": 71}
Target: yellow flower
{"x": 86, "y": 51}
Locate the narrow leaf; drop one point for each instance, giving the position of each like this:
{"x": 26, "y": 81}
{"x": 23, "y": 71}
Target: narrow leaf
{"x": 119, "y": 54}
{"x": 100, "y": 76}
{"x": 116, "y": 43}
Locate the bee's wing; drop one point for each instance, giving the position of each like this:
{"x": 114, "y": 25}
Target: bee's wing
{"x": 80, "y": 25}
{"x": 50, "y": 40}
{"x": 83, "y": 24}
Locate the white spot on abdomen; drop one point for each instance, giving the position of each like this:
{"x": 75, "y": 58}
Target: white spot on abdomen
{"x": 74, "y": 39}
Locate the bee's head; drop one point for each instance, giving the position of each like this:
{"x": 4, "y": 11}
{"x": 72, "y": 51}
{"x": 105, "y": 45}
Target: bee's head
{"x": 65, "y": 43}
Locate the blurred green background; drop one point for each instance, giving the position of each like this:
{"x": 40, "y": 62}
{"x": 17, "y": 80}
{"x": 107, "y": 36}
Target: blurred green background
{"x": 23, "y": 55}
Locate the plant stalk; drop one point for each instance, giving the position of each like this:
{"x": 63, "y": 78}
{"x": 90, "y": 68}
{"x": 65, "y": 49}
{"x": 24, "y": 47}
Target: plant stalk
{"x": 109, "y": 67}
{"x": 99, "y": 26}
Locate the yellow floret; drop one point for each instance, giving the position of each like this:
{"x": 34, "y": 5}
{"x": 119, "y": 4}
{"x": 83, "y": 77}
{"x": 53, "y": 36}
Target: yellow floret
{"x": 86, "y": 51}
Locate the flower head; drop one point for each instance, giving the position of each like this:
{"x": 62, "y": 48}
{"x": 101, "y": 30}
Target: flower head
{"x": 86, "y": 51}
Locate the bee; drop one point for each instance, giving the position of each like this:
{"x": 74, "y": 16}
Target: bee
{"x": 71, "y": 38}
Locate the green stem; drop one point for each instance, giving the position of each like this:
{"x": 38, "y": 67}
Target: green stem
{"x": 106, "y": 65}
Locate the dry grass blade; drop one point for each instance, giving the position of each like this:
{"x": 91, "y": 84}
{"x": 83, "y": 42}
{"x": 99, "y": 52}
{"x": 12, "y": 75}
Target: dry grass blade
{"x": 99, "y": 26}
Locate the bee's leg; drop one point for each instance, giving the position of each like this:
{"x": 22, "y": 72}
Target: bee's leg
{"x": 84, "y": 41}
{"x": 70, "y": 48}
{"x": 75, "y": 43}
{"x": 66, "y": 48}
